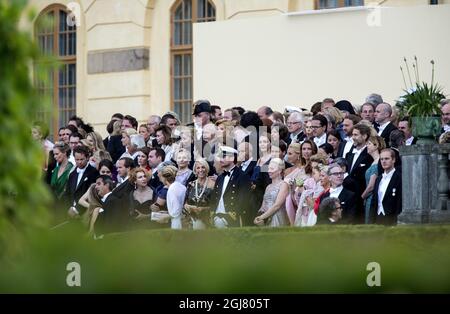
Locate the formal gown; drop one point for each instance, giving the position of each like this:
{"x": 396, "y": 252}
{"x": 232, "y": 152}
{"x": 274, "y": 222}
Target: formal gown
{"x": 373, "y": 169}
{"x": 305, "y": 215}
{"x": 200, "y": 197}
{"x": 58, "y": 184}
{"x": 292, "y": 199}
{"x": 279, "y": 218}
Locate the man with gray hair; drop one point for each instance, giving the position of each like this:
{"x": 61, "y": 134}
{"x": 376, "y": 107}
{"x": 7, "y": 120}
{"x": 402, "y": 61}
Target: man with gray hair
{"x": 295, "y": 127}
{"x": 383, "y": 124}
{"x": 374, "y": 99}
{"x": 152, "y": 123}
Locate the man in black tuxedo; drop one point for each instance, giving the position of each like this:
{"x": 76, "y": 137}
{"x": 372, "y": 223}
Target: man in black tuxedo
{"x": 346, "y": 197}
{"x": 383, "y": 124}
{"x": 295, "y": 127}
{"x": 359, "y": 161}
{"x": 124, "y": 187}
{"x": 79, "y": 180}
{"x": 156, "y": 157}
{"x": 387, "y": 194}
{"x": 110, "y": 128}
{"x": 111, "y": 217}
{"x": 231, "y": 201}
{"x": 246, "y": 159}
{"x": 404, "y": 125}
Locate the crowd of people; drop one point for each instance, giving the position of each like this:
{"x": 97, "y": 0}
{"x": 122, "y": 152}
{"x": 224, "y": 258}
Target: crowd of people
{"x": 332, "y": 164}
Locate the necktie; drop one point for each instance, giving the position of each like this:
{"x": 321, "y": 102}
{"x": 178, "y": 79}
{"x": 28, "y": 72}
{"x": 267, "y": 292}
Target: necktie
{"x": 226, "y": 173}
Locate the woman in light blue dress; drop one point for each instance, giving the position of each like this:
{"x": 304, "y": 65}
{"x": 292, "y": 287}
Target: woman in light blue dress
{"x": 374, "y": 146}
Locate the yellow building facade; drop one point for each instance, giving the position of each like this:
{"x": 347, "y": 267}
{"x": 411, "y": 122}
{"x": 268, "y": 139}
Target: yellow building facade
{"x": 136, "y": 56}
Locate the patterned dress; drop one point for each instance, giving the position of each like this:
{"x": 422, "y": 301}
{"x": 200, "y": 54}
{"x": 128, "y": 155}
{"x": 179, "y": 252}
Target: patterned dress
{"x": 279, "y": 218}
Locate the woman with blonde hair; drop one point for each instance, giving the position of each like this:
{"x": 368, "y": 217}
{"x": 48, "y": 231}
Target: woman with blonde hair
{"x": 176, "y": 193}
{"x": 199, "y": 196}
{"x": 184, "y": 173}
{"x": 131, "y": 140}
{"x": 224, "y": 132}
{"x": 60, "y": 175}
{"x": 273, "y": 212}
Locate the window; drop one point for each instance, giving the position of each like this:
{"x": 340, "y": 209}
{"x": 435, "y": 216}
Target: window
{"x": 331, "y": 4}
{"x": 184, "y": 13}
{"x": 56, "y": 38}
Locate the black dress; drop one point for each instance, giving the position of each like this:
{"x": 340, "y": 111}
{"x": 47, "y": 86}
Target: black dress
{"x": 199, "y": 200}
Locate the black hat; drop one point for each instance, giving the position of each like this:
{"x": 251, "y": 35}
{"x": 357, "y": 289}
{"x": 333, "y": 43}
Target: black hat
{"x": 201, "y": 106}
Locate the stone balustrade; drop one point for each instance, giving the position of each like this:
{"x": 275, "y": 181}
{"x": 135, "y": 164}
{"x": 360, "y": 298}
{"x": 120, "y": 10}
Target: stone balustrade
{"x": 425, "y": 184}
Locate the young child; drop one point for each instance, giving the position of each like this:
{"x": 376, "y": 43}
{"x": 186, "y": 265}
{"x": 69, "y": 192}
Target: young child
{"x": 312, "y": 188}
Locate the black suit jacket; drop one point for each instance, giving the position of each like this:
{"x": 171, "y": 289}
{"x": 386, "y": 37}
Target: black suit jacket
{"x": 115, "y": 147}
{"x": 392, "y": 201}
{"x": 357, "y": 173}
{"x": 236, "y": 197}
{"x": 74, "y": 192}
{"x": 250, "y": 168}
{"x": 348, "y": 204}
{"x": 113, "y": 218}
{"x": 386, "y": 132}
{"x": 300, "y": 138}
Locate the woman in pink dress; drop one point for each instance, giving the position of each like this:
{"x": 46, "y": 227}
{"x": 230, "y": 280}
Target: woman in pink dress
{"x": 299, "y": 155}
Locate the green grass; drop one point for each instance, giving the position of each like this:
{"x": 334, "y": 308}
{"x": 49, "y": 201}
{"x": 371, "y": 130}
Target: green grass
{"x": 251, "y": 260}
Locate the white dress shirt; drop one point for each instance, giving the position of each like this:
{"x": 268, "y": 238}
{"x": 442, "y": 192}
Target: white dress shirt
{"x": 245, "y": 164}
{"x": 104, "y": 200}
{"x": 175, "y": 201}
{"x": 320, "y": 140}
{"x": 382, "y": 127}
{"x": 334, "y": 192}
{"x": 356, "y": 153}
{"x": 386, "y": 178}
{"x": 409, "y": 141}
{"x": 121, "y": 180}
{"x": 80, "y": 174}
{"x": 348, "y": 146}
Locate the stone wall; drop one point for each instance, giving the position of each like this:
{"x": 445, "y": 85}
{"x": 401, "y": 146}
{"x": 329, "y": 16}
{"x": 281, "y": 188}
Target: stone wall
{"x": 425, "y": 184}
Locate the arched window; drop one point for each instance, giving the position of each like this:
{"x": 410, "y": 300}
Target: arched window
{"x": 184, "y": 13}
{"x": 56, "y": 37}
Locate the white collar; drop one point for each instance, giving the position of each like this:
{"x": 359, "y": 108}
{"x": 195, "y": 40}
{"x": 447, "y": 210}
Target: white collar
{"x": 384, "y": 125}
{"x": 82, "y": 170}
{"x": 389, "y": 174}
{"x": 338, "y": 189}
{"x": 247, "y": 162}
{"x": 105, "y": 197}
{"x": 294, "y": 135}
{"x": 355, "y": 150}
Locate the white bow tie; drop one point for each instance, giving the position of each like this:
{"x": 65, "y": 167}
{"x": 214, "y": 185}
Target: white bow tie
{"x": 80, "y": 170}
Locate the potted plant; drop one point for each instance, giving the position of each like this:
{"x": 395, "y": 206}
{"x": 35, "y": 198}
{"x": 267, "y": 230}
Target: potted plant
{"x": 422, "y": 104}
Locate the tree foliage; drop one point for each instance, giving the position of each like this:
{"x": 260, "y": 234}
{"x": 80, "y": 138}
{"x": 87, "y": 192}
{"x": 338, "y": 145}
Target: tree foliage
{"x": 23, "y": 195}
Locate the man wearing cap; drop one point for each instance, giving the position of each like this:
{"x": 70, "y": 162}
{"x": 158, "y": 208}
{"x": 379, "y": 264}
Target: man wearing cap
{"x": 230, "y": 198}
{"x": 202, "y": 116}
